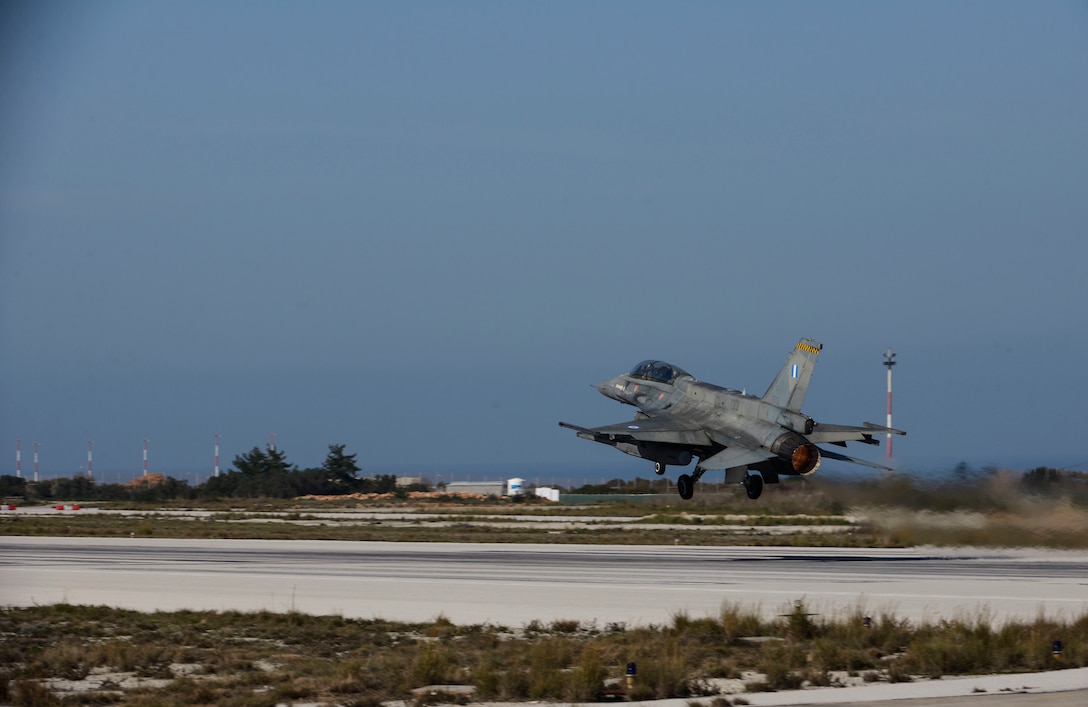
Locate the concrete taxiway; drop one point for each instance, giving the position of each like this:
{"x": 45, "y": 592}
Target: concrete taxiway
{"x": 513, "y": 584}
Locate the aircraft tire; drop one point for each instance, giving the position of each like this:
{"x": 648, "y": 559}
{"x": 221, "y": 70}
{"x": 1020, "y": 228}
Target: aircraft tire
{"x": 659, "y": 468}
{"x": 686, "y": 486}
{"x": 753, "y": 485}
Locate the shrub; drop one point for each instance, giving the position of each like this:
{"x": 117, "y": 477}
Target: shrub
{"x": 433, "y": 664}
{"x": 31, "y": 693}
{"x": 737, "y": 622}
{"x": 586, "y": 681}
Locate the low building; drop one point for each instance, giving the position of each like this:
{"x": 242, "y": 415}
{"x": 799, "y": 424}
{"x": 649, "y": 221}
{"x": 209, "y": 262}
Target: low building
{"x": 547, "y": 493}
{"x": 484, "y": 488}
{"x": 403, "y": 481}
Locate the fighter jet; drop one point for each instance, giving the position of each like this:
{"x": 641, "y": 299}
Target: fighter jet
{"x": 755, "y": 440}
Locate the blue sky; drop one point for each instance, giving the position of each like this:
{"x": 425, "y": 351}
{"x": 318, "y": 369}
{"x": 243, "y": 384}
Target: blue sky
{"x": 423, "y": 230}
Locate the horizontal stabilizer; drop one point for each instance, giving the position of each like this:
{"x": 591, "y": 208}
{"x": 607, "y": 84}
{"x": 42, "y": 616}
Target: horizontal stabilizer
{"x": 843, "y": 458}
{"x": 839, "y": 434}
{"x": 881, "y": 429}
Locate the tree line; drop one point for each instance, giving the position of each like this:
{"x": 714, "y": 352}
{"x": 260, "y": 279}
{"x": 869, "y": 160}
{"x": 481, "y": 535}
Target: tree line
{"x": 258, "y": 473}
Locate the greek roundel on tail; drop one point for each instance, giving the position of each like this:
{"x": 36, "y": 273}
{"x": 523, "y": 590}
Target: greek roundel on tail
{"x": 755, "y": 440}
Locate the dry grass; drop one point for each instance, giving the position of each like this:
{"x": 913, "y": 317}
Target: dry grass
{"x": 238, "y": 526}
{"x": 266, "y": 658}
{"x": 989, "y": 509}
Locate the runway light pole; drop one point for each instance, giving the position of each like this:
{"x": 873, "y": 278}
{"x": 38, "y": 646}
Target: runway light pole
{"x": 19, "y": 458}
{"x": 216, "y": 468}
{"x": 889, "y": 361}
{"x": 90, "y": 459}
{"x": 35, "y": 462}
{"x": 145, "y": 456}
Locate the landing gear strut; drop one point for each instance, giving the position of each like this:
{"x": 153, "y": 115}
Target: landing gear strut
{"x": 753, "y": 485}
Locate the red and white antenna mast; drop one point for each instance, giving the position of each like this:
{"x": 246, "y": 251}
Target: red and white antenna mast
{"x": 35, "y": 462}
{"x": 889, "y": 361}
{"x": 90, "y": 458}
{"x": 145, "y": 456}
{"x": 217, "y": 454}
{"x": 19, "y": 458}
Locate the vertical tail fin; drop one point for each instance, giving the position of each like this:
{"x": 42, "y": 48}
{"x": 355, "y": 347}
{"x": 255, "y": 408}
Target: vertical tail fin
{"x": 789, "y": 386}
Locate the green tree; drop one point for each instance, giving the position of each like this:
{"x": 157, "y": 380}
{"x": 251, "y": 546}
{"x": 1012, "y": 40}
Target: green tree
{"x": 253, "y": 462}
{"x": 382, "y": 483}
{"x": 341, "y": 471}
{"x": 80, "y": 488}
{"x": 12, "y": 486}
{"x": 277, "y": 462}
{"x": 259, "y": 473}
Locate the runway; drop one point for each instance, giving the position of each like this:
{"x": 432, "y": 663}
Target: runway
{"x": 511, "y": 585}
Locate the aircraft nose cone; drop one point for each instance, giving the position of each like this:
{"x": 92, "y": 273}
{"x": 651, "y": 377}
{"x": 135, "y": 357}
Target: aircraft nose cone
{"x": 609, "y": 389}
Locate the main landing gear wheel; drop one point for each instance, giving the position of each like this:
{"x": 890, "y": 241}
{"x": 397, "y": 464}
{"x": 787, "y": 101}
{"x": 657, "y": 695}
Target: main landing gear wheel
{"x": 753, "y": 484}
{"x": 659, "y": 468}
{"x": 686, "y": 486}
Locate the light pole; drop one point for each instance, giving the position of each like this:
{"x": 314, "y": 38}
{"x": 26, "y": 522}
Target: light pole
{"x": 889, "y": 361}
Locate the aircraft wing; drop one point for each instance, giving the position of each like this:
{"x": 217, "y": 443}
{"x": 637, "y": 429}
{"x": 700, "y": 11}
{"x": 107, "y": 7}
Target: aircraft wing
{"x": 662, "y": 429}
{"x": 841, "y": 434}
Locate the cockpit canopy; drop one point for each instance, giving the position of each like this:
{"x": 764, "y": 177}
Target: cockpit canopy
{"x": 658, "y": 371}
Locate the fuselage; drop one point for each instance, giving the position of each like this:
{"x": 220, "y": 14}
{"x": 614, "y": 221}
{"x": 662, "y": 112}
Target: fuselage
{"x": 728, "y": 417}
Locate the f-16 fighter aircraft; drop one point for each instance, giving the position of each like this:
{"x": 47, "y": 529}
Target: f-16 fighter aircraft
{"x": 755, "y": 440}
